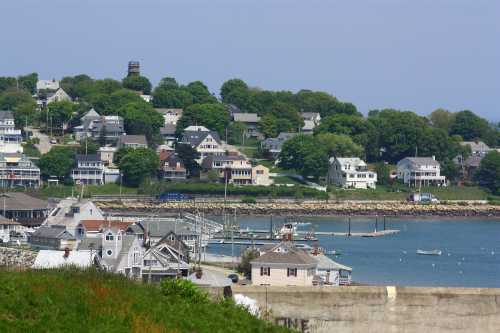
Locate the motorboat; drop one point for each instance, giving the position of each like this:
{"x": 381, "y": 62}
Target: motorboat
{"x": 429, "y": 253}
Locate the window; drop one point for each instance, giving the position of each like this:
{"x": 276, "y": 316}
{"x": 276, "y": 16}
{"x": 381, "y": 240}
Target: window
{"x": 291, "y": 272}
{"x": 265, "y": 271}
{"x": 109, "y": 252}
{"x": 109, "y": 236}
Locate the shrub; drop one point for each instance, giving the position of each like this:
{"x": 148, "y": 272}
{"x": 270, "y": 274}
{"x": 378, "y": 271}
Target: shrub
{"x": 248, "y": 199}
{"x": 183, "y": 289}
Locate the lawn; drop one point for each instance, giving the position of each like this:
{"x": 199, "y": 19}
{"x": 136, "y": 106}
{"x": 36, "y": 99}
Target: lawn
{"x": 70, "y": 300}
{"x": 285, "y": 180}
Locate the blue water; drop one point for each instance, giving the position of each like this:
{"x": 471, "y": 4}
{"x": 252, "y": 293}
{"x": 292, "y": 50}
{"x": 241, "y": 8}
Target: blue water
{"x": 470, "y": 258}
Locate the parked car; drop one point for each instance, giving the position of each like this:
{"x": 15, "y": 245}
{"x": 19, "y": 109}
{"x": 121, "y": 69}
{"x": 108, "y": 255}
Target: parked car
{"x": 173, "y": 196}
{"x": 423, "y": 198}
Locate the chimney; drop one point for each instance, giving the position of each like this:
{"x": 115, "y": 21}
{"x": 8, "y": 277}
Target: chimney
{"x": 66, "y": 253}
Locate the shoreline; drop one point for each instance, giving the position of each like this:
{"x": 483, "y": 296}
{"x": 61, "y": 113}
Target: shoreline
{"x": 316, "y": 209}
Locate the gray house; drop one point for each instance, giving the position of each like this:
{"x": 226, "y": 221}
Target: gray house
{"x": 54, "y": 237}
{"x": 273, "y": 145}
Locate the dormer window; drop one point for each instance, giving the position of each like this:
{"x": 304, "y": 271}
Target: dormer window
{"x": 110, "y": 236}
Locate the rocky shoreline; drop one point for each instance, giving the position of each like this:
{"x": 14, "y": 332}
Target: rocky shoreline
{"x": 304, "y": 208}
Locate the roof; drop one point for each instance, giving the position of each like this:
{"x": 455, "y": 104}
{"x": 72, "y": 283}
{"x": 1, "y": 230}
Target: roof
{"x": 127, "y": 242}
{"x": 97, "y": 225}
{"x": 55, "y": 259}
{"x": 473, "y": 161}
{"x": 419, "y": 161}
{"x": 476, "y": 146}
{"x": 309, "y": 115}
{"x": 161, "y": 228}
{"x": 54, "y": 231}
{"x": 208, "y": 161}
{"x": 194, "y": 138}
{"x": 210, "y": 278}
{"x": 172, "y": 161}
{"x": 309, "y": 125}
{"x": 47, "y": 84}
{"x": 246, "y": 117}
{"x": 92, "y": 114}
{"x": 90, "y": 243}
{"x": 22, "y": 201}
{"x": 325, "y": 263}
{"x": 88, "y": 158}
{"x": 354, "y": 161}
{"x": 65, "y": 213}
{"x": 168, "y": 129}
{"x": 197, "y": 129}
{"x": 165, "y": 111}
{"x": 286, "y": 254}
{"x": 133, "y": 139}
{"x": 6, "y": 115}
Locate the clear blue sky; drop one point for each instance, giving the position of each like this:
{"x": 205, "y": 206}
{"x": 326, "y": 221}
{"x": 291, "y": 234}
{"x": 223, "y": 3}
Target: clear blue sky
{"x": 406, "y": 54}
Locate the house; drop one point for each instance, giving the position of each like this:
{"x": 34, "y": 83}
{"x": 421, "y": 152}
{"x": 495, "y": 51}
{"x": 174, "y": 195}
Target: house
{"x": 239, "y": 166}
{"x": 311, "y": 120}
{"x": 10, "y": 137}
{"x": 107, "y": 155}
{"x": 47, "y": 85}
{"x": 172, "y": 168}
{"x": 273, "y": 146}
{"x": 54, "y": 237}
{"x": 350, "y": 172}
{"x": 111, "y": 175}
{"x": 121, "y": 253}
{"x": 89, "y": 170}
{"x": 57, "y": 96}
{"x": 251, "y": 121}
{"x": 17, "y": 170}
{"x": 69, "y": 212}
{"x": 331, "y": 273}
{"x": 147, "y": 98}
{"x": 168, "y": 134}
{"x": 170, "y": 116}
{"x": 420, "y": 171}
{"x": 478, "y": 148}
{"x": 284, "y": 265}
{"x": 23, "y": 208}
{"x": 206, "y": 142}
{"x": 468, "y": 165}
{"x": 93, "y": 228}
{"x": 260, "y": 175}
{"x": 57, "y": 259}
{"x": 132, "y": 141}
{"x": 7, "y": 227}
{"x": 96, "y": 127}
{"x": 163, "y": 261}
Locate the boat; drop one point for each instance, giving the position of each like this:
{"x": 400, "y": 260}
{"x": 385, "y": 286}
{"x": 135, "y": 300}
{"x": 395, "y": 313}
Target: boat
{"x": 429, "y": 253}
{"x": 334, "y": 252}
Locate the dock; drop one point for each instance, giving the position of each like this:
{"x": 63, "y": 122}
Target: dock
{"x": 357, "y": 234}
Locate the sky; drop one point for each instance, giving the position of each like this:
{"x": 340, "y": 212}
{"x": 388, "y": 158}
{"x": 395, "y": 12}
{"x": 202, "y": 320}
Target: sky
{"x": 403, "y": 54}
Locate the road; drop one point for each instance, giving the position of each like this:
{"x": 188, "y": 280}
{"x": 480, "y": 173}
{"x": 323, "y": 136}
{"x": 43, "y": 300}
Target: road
{"x": 44, "y": 145}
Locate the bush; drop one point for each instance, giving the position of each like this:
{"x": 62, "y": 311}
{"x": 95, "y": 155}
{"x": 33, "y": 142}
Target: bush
{"x": 184, "y": 289}
{"x": 248, "y": 200}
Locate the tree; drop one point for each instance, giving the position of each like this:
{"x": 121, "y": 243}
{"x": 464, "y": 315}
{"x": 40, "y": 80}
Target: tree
{"x": 200, "y": 93}
{"x": 295, "y": 150}
{"x": 442, "y": 119}
{"x": 451, "y": 170}
{"x": 188, "y": 155}
{"x": 315, "y": 163}
{"x": 472, "y": 127}
{"x": 289, "y": 114}
{"x": 7, "y": 83}
{"x": 359, "y": 129}
{"x": 138, "y": 165}
{"x": 488, "y": 173}
{"x": 60, "y": 112}
{"x": 57, "y": 162}
{"x": 117, "y": 157}
{"x": 236, "y": 131}
{"x": 12, "y": 98}
{"x": 171, "y": 98}
{"x": 88, "y": 147}
{"x": 383, "y": 173}
{"x": 213, "y": 116}
{"x": 141, "y": 118}
{"x": 28, "y": 82}
{"x": 78, "y": 86}
{"x": 323, "y": 103}
{"x": 230, "y": 87}
{"x": 244, "y": 267}
{"x": 137, "y": 83}
{"x": 168, "y": 83}
{"x": 338, "y": 145}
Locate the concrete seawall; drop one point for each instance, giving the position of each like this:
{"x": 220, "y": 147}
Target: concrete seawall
{"x": 379, "y": 309}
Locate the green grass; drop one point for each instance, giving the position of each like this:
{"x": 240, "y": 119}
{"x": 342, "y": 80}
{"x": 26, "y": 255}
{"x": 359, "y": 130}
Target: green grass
{"x": 62, "y": 191}
{"x": 70, "y": 300}
{"x": 285, "y": 180}
{"x": 391, "y": 193}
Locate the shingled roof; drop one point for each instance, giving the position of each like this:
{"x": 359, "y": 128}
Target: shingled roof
{"x": 285, "y": 254}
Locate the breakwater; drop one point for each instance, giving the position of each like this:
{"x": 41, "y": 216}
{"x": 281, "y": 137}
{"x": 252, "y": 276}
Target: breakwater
{"x": 304, "y": 208}
{"x": 12, "y": 257}
{"x": 378, "y": 309}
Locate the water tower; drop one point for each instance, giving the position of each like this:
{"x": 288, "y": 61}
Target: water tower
{"x": 134, "y": 68}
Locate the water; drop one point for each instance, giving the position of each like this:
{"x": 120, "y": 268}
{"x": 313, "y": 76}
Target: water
{"x": 470, "y": 250}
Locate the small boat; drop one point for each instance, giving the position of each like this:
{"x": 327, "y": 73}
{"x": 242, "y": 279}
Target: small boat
{"x": 429, "y": 253}
{"x": 334, "y": 252}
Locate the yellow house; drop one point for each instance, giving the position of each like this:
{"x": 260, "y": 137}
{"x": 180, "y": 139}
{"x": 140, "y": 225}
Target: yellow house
{"x": 260, "y": 175}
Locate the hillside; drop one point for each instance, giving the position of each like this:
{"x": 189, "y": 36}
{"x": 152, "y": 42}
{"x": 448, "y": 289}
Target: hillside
{"x": 91, "y": 301}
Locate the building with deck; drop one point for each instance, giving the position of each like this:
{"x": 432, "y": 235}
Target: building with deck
{"x": 206, "y": 142}
{"x": 89, "y": 170}
{"x": 420, "y": 171}
{"x": 17, "y": 170}
{"x": 350, "y": 172}
{"x": 23, "y": 208}
{"x": 10, "y": 137}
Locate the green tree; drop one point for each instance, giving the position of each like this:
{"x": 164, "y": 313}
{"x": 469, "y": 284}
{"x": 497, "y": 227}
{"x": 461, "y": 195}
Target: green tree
{"x": 450, "y": 169}
{"x": 383, "y": 173}
{"x": 244, "y": 267}
{"x": 188, "y": 155}
{"x": 28, "y": 82}
{"x": 7, "y": 83}
{"x": 141, "y": 118}
{"x": 200, "y": 93}
{"x": 359, "y": 129}
{"x": 137, "y": 83}
{"x": 168, "y": 83}
{"x": 442, "y": 119}
{"x": 315, "y": 163}
{"x": 488, "y": 173}
{"x": 60, "y": 112}
{"x": 171, "y": 98}
{"x": 236, "y": 130}
{"x": 88, "y": 146}
{"x": 228, "y": 89}
{"x": 323, "y": 103}
{"x": 106, "y": 86}
{"x": 295, "y": 150}
{"x": 471, "y": 127}
{"x": 57, "y": 162}
{"x": 138, "y": 165}
{"x": 117, "y": 157}
{"x": 213, "y": 116}
{"x": 338, "y": 145}
{"x": 9, "y": 100}
{"x": 78, "y": 86}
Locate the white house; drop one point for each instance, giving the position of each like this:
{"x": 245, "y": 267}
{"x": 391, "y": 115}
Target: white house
{"x": 420, "y": 171}
{"x": 478, "y": 148}
{"x": 351, "y": 172}
{"x": 206, "y": 142}
{"x": 170, "y": 116}
{"x": 6, "y": 227}
{"x": 10, "y": 137}
{"x": 47, "y": 85}
{"x": 311, "y": 120}
{"x": 89, "y": 170}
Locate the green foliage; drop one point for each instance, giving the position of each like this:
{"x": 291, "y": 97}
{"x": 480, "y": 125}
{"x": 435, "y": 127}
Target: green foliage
{"x": 171, "y": 98}
{"x": 70, "y": 300}
{"x": 88, "y": 147}
{"x": 57, "y": 162}
{"x": 188, "y": 155}
{"x": 31, "y": 150}
{"x": 137, "y": 83}
{"x": 200, "y": 93}
{"x": 488, "y": 173}
{"x": 383, "y": 173}
{"x": 236, "y": 130}
{"x": 183, "y": 289}
{"x": 7, "y": 83}
{"x": 471, "y": 127}
{"x": 213, "y": 116}
{"x": 244, "y": 267}
{"x": 137, "y": 165}
{"x": 60, "y": 112}
{"x": 442, "y": 119}
{"x": 141, "y": 118}
{"x": 248, "y": 199}
{"x": 28, "y": 82}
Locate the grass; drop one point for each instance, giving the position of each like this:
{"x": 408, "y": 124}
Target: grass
{"x": 391, "y": 193}
{"x": 70, "y": 300}
{"x": 285, "y": 180}
{"x": 62, "y": 191}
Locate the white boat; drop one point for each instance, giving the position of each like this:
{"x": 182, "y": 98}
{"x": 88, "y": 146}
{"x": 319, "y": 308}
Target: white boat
{"x": 429, "y": 253}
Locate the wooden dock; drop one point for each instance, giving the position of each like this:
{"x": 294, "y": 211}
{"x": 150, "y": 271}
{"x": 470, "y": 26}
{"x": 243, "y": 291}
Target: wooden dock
{"x": 379, "y": 233}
